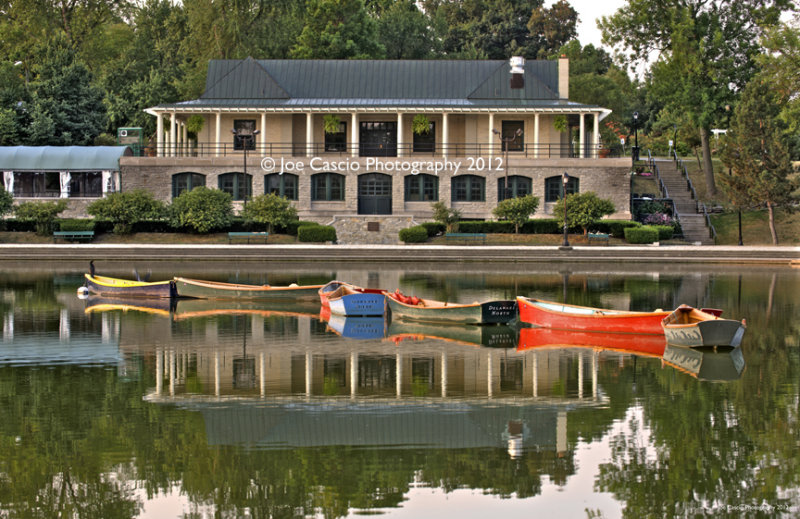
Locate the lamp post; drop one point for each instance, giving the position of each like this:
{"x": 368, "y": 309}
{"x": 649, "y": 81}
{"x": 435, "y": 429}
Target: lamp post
{"x": 564, "y": 182}
{"x": 248, "y": 138}
{"x": 635, "y": 149}
{"x": 506, "y": 141}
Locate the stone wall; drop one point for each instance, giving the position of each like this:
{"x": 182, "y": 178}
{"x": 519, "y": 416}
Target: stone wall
{"x": 370, "y": 230}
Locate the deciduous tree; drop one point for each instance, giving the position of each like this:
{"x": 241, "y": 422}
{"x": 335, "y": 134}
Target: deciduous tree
{"x": 517, "y": 210}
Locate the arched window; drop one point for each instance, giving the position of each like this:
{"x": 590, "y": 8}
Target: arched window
{"x": 422, "y": 188}
{"x": 519, "y": 186}
{"x": 552, "y": 188}
{"x": 468, "y": 188}
{"x": 281, "y": 184}
{"x": 186, "y": 182}
{"x": 327, "y": 187}
{"x": 238, "y": 185}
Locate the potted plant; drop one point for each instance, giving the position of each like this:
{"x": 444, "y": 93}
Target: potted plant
{"x": 420, "y": 124}
{"x": 331, "y": 123}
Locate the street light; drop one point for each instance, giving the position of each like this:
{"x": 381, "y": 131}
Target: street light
{"x": 635, "y": 149}
{"x": 564, "y": 182}
{"x": 247, "y": 138}
{"x": 506, "y": 141}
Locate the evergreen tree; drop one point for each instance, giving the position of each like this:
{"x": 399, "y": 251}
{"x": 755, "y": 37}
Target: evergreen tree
{"x": 757, "y": 154}
{"x": 338, "y": 29}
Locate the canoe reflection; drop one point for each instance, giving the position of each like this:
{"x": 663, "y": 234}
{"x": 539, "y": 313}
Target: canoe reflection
{"x": 636, "y": 343}
{"x": 719, "y": 364}
{"x": 501, "y": 336}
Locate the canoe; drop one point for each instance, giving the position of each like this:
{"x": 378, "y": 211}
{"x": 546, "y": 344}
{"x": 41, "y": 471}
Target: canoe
{"x": 712, "y": 364}
{"x": 106, "y": 286}
{"x": 201, "y": 289}
{"x": 350, "y": 300}
{"x": 570, "y": 317}
{"x": 186, "y": 309}
{"x": 641, "y": 344}
{"x": 688, "y": 326}
{"x": 429, "y": 310}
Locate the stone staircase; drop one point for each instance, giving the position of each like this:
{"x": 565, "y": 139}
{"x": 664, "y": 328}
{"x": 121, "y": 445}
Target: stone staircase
{"x": 693, "y": 223}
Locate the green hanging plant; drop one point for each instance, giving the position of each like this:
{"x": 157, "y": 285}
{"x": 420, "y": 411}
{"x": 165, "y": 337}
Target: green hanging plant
{"x": 331, "y": 123}
{"x": 560, "y": 123}
{"x": 420, "y": 125}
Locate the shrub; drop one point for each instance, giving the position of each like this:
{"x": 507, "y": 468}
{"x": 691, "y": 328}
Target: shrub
{"x": 434, "y": 228}
{"x": 445, "y": 215}
{"x": 616, "y": 228}
{"x": 416, "y": 234}
{"x": 43, "y": 214}
{"x": 584, "y": 210}
{"x": 542, "y": 226}
{"x": 316, "y": 233}
{"x": 270, "y": 210}
{"x": 76, "y": 224}
{"x": 486, "y": 227}
{"x": 644, "y": 234}
{"x": 6, "y": 202}
{"x": 517, "y": 210}
{"x": 664, "y": 231}
{"x": 127, "y": 208}
{"x": 202, "y": 210}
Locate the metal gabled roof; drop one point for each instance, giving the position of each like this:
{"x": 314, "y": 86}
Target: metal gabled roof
{"x": 62, "y": 158}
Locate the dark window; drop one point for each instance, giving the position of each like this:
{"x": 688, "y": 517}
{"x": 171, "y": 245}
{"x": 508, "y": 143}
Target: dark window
{"x": 425, "y": 142}
{"x": 37, "y": 184}
{"x": 468, "y": 188}
{"x": 375, "y": 184}
{"x": 378, "y": 139}
{"x": 238, "y": 185}
{"x": 337, "y": 141}
{"x": 552, "y": 188}
{"x": 327, "y": 186}
{"x": 186, "y": 182}
{"x": 520, "y": 186}
{"x": 244, "y": 134}
{"x": 86, "y": 184}
{"x": 281, "y": 184}
{"x": 509, "y": 131}
{"x": 422, "y": 188}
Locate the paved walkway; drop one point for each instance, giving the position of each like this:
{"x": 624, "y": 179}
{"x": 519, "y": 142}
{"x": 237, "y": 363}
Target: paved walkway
{"x": 786, "y": 256}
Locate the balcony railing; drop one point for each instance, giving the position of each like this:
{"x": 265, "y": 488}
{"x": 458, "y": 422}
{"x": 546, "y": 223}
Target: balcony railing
{"x": 530, "y": 151}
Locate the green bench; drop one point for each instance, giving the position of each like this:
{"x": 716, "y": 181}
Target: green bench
{"x": 465, "y": 236}
{"x": 73, "y": 235}
{"x": 247, "y": 235}
{"x": 597, "y": 236}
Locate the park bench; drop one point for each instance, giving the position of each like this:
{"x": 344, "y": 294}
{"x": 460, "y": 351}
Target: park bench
{"x": 73, "y": 235}
{"x": 465, "y": 236}
{"x": 247, "y": 235}
{"x": 597, "y": 236}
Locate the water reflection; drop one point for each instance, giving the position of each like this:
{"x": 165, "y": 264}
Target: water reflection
{"x": 280, "y": 411}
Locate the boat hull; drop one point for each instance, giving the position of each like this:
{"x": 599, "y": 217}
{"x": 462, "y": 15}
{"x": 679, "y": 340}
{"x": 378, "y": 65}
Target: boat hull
{"x": 115, "y": 287}
{"x": 570, "y": 317}
{"x": 201, "y": 289}
{"x": 358, "y": 305}
{"x": 491, "y": 312}
{"x": 694, "y": 328}
{"x": 335, "y": 289}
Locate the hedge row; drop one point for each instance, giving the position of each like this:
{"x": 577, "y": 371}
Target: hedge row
{"x": 642, "y": 234}
{"x": 315, "y": 233}
{"x": 416, "y": 234}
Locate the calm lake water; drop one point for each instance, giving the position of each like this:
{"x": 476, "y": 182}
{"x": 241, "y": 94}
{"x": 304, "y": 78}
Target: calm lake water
{"x": 112, "y": 409}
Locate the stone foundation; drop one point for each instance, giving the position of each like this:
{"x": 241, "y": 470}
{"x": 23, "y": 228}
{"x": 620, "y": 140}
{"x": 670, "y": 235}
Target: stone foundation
{"x": 370, "y": 229}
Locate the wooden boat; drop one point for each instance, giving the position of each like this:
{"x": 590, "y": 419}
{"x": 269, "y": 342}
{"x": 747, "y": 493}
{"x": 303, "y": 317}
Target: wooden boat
{"x": 350, "y": 300}
{"x": 429, "y": 310}
{"x": 106, "y": 286}
{"x": 186, "y": 309}
{"x": 201, "y": 289}
{"x": 712, "y": 364}
{"x": 688, "y": 326}
{"x": 570, "y": 317}
{"x": 642, "y": 344}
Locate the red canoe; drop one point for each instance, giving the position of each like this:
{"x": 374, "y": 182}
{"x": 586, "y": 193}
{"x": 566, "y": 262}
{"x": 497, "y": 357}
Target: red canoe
{"x": 570, "y": 317}
{"x": 644, "y": 344}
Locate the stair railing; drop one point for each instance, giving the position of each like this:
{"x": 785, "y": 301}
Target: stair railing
{"x": 700, "y": 206}
{"x": 651, "y": 163}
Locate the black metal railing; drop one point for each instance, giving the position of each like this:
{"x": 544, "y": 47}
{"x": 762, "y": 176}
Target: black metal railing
{"x": 700, "y": 207}
{"x": 455, "y": 149}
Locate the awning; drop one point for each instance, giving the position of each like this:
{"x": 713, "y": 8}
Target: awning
{"x": 62, "y": 158}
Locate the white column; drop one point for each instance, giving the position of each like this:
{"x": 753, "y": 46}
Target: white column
{"x": 160, "y": 135}
{"x": 400, "y": 142}
{"x": 185, "y": 128}
{"x": 63, "y": 325}
{"x": 536, "y": 136}
{"x": 262, "y": 374}
{"x": 172, "y": 375}
{"x": 308, "y": 374}
{"x": 398, "y": 374}
{"x": 173, "y": 130}
{"x": 218, "y": 133}
{"x": 444, "y": 375}
{"x": 354, "y": 134}
{"x": 580, "y": 375}
{"x": 596, "y": 135}
{"x": 216, "y": 374}
{"x": 263, "y": 133}
{"x": 594, "y": 374}
{"x": 309, "y": 134}
{"x": 445, "y": 135}
{"x": 535, "y": 374}
{"x": 159, "y": 372}
{"x": 353, "y": 374}
{"x": 582, "y": 137}
{"x": 491, "y": 137}
{"x": 489, "y": 375}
